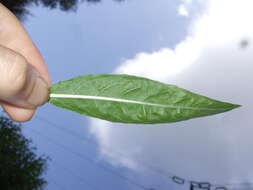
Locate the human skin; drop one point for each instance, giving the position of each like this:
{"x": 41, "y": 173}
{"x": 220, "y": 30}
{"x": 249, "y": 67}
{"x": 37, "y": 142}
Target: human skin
{"x": 24, "y": 77}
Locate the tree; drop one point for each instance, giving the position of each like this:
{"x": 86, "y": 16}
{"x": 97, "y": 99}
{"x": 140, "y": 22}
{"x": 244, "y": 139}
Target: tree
{"x": 19, "y": 7}
{"x": 20, "y": 167}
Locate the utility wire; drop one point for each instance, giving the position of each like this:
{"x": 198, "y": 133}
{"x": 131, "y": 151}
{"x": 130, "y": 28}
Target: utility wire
{"x": 82, "y": 179}
{"x": 93, "y": 142}
{"x": 82, "y": 156}
{"x": 175, "y": 178}
{"x": 152, "y": 168}
{"x": 58, "y": 185}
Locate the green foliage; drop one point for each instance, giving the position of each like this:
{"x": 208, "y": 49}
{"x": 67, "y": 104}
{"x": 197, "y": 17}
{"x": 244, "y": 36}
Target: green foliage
{"x": 131, "y": 99}
{"x": 19, "y": 7}
{"x": 20, "y": 168}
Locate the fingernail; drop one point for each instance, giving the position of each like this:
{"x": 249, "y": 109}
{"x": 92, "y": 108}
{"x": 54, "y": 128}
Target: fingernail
{"x": 40, "y": 93}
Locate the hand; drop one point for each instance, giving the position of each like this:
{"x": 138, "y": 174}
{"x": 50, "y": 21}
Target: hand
{"x": 24, "y": 78}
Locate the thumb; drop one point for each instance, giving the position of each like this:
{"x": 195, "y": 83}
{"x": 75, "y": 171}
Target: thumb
{"x": 20, "y": 84}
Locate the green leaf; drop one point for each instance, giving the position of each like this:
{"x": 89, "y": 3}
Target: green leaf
{"x": 131, "y": 99}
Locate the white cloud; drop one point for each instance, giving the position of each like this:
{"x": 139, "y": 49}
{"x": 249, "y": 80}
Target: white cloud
{"x": 210, "y": 61}
{"x": 183, "y": 8}
{"x": 152, "y": 65}
{"x": 191, "y": 8}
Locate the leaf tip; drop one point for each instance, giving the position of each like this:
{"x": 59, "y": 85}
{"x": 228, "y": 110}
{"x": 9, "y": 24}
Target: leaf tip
{"x": 236, "y": 106}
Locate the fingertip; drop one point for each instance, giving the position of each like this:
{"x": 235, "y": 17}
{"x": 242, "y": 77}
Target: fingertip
{"x": 19, "y": 114}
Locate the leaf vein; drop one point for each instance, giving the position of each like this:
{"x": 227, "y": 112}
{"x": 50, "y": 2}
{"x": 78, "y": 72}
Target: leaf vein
{"x": 73, "y": 96}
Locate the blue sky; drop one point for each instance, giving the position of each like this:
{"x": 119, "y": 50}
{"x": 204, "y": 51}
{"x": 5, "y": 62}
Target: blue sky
{"x": 188, "y": 43}
{"x": 95, "y": 39}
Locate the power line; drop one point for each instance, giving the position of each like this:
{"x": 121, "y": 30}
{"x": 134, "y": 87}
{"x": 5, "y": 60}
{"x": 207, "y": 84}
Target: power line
{"x": 82, "y": 179}
{"x": 176, "y": 179}
{"x": 93, "y": 142}
{"x": 82, "y": 156}
{"x": 58, "y": 185}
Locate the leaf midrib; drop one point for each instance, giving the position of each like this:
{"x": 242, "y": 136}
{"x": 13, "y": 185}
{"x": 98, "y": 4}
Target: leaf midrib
{"x": 74, "y": 96}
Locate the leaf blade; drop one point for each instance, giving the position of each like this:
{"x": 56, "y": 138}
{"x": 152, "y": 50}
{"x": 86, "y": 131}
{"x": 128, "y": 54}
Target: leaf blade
{"x": 131, "y": 99}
